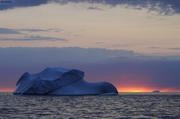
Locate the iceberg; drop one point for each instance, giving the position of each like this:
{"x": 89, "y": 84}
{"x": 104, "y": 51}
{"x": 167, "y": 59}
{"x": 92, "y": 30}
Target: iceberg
{"x": 61, "y": 82}
{"x": 156, "y": 91}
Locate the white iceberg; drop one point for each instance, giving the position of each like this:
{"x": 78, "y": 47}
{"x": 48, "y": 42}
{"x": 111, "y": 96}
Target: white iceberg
{"x": 60, "y": 81}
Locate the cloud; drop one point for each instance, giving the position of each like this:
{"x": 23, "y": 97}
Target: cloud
{"x": 33, "y": 30}
{"x": 9, "y": 31}
{"x": 95, "y": 8}
{"x": 26, "y": 37}
{"x": 174, "y": 48}
{"x": 34, "y": 38}
{"x": 164, "y": 7}
{"x": 30, "y": 30}
{"x": 39, "y": 30}
{"x": 21, "y": 3}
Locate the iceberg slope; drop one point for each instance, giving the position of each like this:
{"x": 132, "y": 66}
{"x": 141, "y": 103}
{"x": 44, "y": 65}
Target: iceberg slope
{"x": 60, "y": 81}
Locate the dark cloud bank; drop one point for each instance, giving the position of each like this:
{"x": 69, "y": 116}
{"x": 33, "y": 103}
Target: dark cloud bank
{"x": 165, "y": 7}
{"x": 99, "y": 65}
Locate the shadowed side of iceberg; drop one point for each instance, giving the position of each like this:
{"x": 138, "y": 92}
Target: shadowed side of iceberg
{"x": 60, "y": 81}
{"x": 86, "y": 88}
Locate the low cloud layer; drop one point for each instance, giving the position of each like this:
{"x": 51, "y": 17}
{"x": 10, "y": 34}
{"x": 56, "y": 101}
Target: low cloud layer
{"x": 26, "y": 37}
{"x": 9, "y": 31}
{"x": 29, "y": 30}
{"x": 34, "y": 38}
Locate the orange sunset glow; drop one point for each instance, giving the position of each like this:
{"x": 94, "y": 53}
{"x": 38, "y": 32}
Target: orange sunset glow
{"x": 6, "y": 89}
{"x": 134, "y": 89}
{"x": 145, "y": 89}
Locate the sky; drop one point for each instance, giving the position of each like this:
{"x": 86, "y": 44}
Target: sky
{"x": 134, "y": 44}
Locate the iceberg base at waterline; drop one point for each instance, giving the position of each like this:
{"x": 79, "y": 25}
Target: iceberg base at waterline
{"x": 61, "y": 82}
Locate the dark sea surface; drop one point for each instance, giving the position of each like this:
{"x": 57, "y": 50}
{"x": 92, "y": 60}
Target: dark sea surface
{"x": 123, "y": 106}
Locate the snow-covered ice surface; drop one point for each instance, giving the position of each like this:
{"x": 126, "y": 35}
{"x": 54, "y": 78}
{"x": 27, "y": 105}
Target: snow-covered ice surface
{"x": 123, "y": 106}
{"x": 60, "y": 81}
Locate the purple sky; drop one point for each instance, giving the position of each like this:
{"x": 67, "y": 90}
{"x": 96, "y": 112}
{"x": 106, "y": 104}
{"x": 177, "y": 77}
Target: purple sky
{"x": 120, "y": 67}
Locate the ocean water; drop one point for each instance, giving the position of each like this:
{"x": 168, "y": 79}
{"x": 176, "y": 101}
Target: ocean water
{"x": 123, "y": 106}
